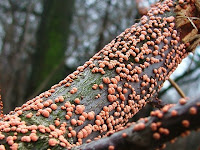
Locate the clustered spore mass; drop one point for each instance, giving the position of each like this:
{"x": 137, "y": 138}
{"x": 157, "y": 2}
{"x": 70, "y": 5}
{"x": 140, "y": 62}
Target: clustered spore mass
{"x": 101, "y": 96}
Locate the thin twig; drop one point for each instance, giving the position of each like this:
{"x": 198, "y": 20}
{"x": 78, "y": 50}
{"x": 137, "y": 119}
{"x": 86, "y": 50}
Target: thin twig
{"x": 178, "y": 89}
{"x": 192, "y": 23}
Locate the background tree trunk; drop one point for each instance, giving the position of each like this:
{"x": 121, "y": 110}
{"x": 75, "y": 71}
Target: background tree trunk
{"x": 52, "y": 38}
{"x": 14, "y": 59}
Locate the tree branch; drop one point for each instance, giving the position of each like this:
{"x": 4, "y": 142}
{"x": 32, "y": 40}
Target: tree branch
{"x": 149, "y": 133}
{"x": 101, "y": 96}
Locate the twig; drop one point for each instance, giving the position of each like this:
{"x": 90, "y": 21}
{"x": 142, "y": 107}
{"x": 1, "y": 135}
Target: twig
{"x": 178, "y": 89}
{"x": 192, "y": 23}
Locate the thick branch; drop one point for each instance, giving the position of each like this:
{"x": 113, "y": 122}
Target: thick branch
{"x": 101, "y": 96}
{"x": 152, "y": 132}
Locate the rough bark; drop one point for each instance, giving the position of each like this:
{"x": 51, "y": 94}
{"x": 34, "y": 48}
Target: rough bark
{"x": 154, "y": 131}
{"x": 101, "y": 96}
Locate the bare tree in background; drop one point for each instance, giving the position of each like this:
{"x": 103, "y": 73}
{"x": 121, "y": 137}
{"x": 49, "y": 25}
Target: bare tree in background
{"x": 48, "y": 60}
{"x": 16, "y": 48}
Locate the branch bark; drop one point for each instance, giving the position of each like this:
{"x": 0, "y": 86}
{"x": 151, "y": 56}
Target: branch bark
{"x": 101, "y": 96}
{"x": 150, "y": 133}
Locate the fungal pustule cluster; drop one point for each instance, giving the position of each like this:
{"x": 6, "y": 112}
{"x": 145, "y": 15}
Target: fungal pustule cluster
{"x": 141, "y": 58}
{"x": 162, "y": 128}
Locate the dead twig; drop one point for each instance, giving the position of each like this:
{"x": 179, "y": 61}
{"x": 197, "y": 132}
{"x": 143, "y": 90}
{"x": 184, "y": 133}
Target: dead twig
{"x": 178, "y": 89}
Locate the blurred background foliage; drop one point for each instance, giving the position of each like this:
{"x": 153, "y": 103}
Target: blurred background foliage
{"x": 42, "y": 41}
